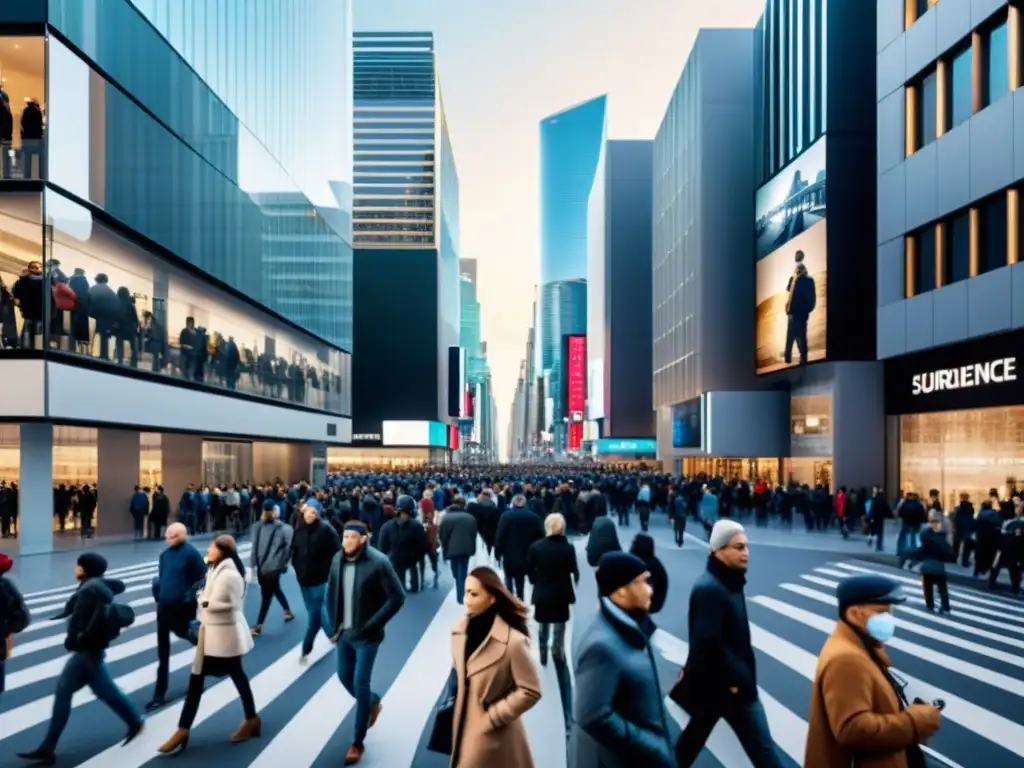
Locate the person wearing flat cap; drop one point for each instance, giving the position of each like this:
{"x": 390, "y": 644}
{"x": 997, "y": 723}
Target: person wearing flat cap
{"x": 363, "y": 595}
{"x": 719, "y": 681}
{"x": 619, "y": 715}
{"x": 860, "y": 715}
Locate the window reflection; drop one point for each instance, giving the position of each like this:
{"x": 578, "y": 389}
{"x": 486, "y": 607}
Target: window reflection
{"x": 811, "y": 414}
{"x": 22, "y": 111}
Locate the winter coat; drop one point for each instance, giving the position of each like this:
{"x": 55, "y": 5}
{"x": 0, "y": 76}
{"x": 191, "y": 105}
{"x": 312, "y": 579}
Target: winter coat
{"x": 86, "y": 614}
{"x": 620, "y": 718}
{"x": 271, "y": 547}
{"x": 604, "y": 538}
{"x": 378, "y": 596}
{"x": 551, "y": 565}
{"x": 103, "y": 305}
{"x": 223, "y": 632}
{"x": 497, "y": 685}
{"x": 518, "y": 528}
{"x": 856, "y": 718}
{"x": 408, "y": 543}
{"x": 457, "y": 534}
{"x": 313, "y": 548}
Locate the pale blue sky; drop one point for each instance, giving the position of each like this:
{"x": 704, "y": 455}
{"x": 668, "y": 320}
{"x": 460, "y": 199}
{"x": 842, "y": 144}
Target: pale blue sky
{"x": 506, "y": 64}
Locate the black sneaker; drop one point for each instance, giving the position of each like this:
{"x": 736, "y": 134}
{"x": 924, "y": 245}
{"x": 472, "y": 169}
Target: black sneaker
{"x": 134, "y": 730}
{"x": 40, "y": 756}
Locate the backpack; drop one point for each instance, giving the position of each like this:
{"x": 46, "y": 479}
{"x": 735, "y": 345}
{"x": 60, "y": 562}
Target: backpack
{"x": 117, "y": 616}
{"x": 15, "y": 613}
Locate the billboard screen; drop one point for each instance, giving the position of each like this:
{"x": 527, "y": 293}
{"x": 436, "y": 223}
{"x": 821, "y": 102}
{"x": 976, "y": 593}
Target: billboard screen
{"x": 457, "y": 403}
{"x": 420, "y": 434}
{"x": 686, "y": 424}
{"x": 618, "y": 446}
{"x": 575, "y": 387}
{"x": 792, "y": 264}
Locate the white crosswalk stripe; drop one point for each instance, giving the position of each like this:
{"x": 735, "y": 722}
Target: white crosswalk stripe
{"x": 969, "y": 658}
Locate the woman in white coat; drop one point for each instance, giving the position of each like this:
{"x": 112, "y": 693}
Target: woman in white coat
{"x": 223, "y": 639}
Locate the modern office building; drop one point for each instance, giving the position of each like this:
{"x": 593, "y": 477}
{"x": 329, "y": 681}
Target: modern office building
{"x": 570, "y": 146}
{"x": 146, "y": 336}
{"x": 950, "y": 280}
{"x": 479, "y": 439}
{"x": 815, "y": 65}
{"x": 406, "y": 233}
{"x": 619, "y": 290}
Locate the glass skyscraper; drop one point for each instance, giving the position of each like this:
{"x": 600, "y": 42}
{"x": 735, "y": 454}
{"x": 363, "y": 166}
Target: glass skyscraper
{"x": 570, "y": 150}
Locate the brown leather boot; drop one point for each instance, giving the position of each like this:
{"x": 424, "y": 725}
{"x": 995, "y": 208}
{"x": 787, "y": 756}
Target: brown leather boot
{"x": 375, "y": 709}
{"x": 176, "y": 743}
{"x": 247, "y": 730}
{"x": 355, "y": 754}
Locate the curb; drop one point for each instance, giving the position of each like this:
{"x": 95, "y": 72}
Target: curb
{"x": 960, "y": 579}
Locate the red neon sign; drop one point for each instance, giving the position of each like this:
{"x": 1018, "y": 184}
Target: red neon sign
{"x": 576, "y": 378}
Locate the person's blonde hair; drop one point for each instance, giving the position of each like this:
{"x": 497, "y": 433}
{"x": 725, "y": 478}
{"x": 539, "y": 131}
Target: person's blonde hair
{"x": 554, "y": 524}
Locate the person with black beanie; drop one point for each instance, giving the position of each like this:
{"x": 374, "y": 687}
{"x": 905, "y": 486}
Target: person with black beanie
{"x": 90, "y": 613}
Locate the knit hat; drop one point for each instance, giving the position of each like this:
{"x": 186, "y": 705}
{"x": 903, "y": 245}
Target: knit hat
{"x": 5, "y": 563}
{"x": 406, "y": 504}
{"x": 616, "y": 570}
{"x": 314, "y": 504}
{"x": 93, "y": 564}
{"x": 357, "y": 526}
{"x": 722, "y": 533}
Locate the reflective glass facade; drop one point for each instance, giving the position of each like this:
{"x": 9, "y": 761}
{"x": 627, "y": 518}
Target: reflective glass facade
{"x": 793, "y": 46}
{"x": 563, "y": 311}
{"x": 182, "y": 158}
{"x": 397, "y": 121}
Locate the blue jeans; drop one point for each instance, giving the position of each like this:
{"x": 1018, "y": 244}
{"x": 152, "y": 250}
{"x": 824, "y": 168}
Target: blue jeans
{"x": 750, "y": 725}
{"x": 84, "y": 669}
{"x": 313, "y": 598}
{"x": 355, "y": 660}
{"x": 460, "y": 569}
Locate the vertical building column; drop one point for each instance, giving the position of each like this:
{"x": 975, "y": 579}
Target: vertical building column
{"x": 858, "y": 425}
{"x": 1012, "y": 225}
{"x": 181, "y": 463}
{"x": 35, "y": 489}
{"x": 318, "y": 464}
{"x": 301, "y": 462}
{"x": 1013, "y": 43}
{"x": 118, "y": 454}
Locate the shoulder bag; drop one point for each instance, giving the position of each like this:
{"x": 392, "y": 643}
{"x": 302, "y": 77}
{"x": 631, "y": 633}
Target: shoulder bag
{"x": 442, "y": 733}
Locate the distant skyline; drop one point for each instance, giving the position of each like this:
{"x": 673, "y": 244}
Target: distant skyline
{"x": 506, "y": 66}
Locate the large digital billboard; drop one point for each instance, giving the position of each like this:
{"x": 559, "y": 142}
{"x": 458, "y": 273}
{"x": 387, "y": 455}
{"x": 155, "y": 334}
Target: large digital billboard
{"x": 792, "y": 264}
{"x": 575, "y": 387}
{"x": 686, "y": 423}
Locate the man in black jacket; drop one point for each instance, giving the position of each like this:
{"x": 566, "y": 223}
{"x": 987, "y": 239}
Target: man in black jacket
{"x": 89, "y": 618}
{"x": 518, "y": 528}
{"x": 720, "y": 677}
{"x": 363, "y": 594}
{"x": 408, "y": 543}
{"x": 314, "y": 545}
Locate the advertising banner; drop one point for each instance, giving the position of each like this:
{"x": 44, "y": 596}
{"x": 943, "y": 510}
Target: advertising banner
{"x": 576, "y": 387}
{"x": 792, "y": 264}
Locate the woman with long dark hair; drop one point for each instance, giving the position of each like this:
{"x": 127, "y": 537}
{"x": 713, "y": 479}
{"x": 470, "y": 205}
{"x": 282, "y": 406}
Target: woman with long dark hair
{"x": 496, "y": 676}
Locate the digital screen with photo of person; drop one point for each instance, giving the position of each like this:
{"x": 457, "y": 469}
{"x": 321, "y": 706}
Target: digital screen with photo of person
{"x": 792, "y": 265}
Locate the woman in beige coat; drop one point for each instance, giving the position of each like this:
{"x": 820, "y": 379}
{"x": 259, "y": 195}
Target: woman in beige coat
{"x": 223, "y": 639}
{"x": 497, "y": 677}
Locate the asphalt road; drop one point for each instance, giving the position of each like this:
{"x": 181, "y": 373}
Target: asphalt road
{"x": 972, "y": 659}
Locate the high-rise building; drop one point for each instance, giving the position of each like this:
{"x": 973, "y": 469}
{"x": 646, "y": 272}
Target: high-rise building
{"x": 570, "y": 146}
{"x": 406, "y": 233}
{"x": 619, "y": 291}
{"x": 159, "y": 337}
{"x": 949, "y": 246}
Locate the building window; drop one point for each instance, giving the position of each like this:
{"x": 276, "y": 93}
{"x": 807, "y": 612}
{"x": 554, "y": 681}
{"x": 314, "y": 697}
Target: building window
{"x": 915, "y": 9}
{"x": 924, "y": 263}
{"x": 956, "y": 249}
{"x": 995, "y": 82}
{"x": 925, "y": 106}
{"x": 959, "y": 99}
{"x": 992, "y": 253}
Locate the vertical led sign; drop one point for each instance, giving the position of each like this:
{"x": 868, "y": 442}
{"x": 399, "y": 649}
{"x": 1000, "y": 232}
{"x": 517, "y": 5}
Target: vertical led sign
{"x": 575, "y": 387}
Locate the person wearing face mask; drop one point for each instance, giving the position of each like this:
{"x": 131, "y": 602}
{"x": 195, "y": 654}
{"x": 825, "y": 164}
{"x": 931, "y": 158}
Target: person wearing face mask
{"x": 860, "y": 715}
{"x": 619, "y": 716}
{"x": 719, "y": 681}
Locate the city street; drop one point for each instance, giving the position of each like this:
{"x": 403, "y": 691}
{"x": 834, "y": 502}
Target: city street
{"x": 971, "y": 659}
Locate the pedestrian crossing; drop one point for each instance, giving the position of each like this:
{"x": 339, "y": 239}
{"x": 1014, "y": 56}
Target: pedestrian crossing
{"x": 971, "y": 658}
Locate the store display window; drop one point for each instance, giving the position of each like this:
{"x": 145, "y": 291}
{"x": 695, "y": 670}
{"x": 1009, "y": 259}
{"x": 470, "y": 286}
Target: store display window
{"x": 22, "y": 108}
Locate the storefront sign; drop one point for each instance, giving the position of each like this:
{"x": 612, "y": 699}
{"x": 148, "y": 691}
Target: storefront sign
{"x": 974, "y": 374}
{"x": 576, "y": 388}
{"x": 366, "y": 437}
{"x": 615, "y": 446}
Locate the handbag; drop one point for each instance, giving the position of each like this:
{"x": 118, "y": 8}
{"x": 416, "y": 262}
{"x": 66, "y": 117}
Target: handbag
{"x": 64, "y": 299}
{"x": 443, "y": 731}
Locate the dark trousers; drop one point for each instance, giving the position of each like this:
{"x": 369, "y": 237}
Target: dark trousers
{"x": 86, "y": 669}
{"x": 355, "y": 661}
{"x": 929, "y": 581}
{"x": 270, "y": 587}
{"x": 1013, "y": 566}
{"x": 679, "y": 529}
{"x": 169, "y": 618}
{"x": 432, "y": 557}
{"x": 561, "y": 666}
{"x": 460, "y": 569}
{"x": 221, "y": 668}
{"x": 796, "y": 333}
{"x": 516, "y": 582}
{"x": 643, "y": 511}
{"x": 313, "y": 597}
{"x": 413, "y": 569}
{"x": 748, "y": 722}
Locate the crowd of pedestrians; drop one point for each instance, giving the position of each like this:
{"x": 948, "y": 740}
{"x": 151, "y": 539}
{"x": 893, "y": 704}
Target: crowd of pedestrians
{"x": 360, "y": 547}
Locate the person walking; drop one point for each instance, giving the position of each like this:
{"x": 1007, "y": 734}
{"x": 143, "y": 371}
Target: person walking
{"x": 429, "y": 520}
{"x": 457, "y": 534}
{"x": 223, "y": 641}
{"x": 408, "y": 543}
{"x": 179, "y": 571}
{"x": 719, "y": 680}
{"x": 859, "y": 713}
{"x": 604, "y": 538}
{"x": 933, "y": 554}
{"x": 497, "y": 680}
{"x": 14, "y": 614}
{"x": 643, "y": 547}
{"x": 554, "y": 573}
{"x": 363, "y": 595}
{"x": 271, "y": 550}
{"x": 91, "y": 615}
{"x": 619, "y": 716}
{"x": 313, "y": 547}
{"x": 518, "y": 529}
